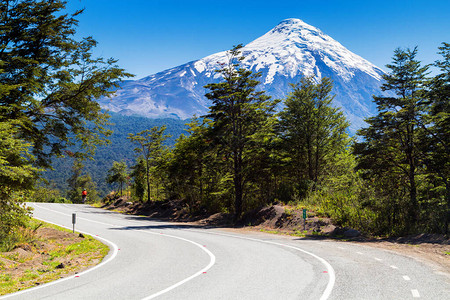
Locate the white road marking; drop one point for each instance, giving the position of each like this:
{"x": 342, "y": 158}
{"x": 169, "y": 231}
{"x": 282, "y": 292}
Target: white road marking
{"x": 113, "y": 248}
{"x": 406, "y": 277}
{"x": 211, "y": 262}
{"x": 415, "y": 293}
{"x": 332, "y": 276}
{"x": 378, "y": 259}
{"x": 393, "y": 267}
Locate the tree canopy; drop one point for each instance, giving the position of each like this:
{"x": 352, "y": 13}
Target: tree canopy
{"x": 238, "y": 113}
{"x": 50, "y": 79}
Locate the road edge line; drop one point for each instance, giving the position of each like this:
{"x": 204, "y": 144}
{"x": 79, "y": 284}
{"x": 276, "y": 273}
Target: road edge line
{"x": 331, "y": 273}
{"x": 113, "y": 247}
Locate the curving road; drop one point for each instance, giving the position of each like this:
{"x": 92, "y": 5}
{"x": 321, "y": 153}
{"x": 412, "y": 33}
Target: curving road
{"x": 150, "y": 259}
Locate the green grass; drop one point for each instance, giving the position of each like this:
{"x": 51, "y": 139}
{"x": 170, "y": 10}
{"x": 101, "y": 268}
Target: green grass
{"x": 447, "y": 253}
{"x": 86, "y": 252}
{"x": 87, "y": 245}
{"x": 270, "y": 231}
{"x": 29, "y": 275}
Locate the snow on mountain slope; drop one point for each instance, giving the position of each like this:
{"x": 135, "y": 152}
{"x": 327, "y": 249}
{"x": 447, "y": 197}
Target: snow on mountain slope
{"x": 286, "y": 53}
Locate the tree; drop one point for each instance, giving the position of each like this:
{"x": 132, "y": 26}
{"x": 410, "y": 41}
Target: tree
{"x": 16, "y": 176}
{"x": 78, "y": 182}
{"x": 390, "y": 143}
{"x": 51, "y": 79}
{"x": 150, "y": 145}
{"x": 138, "y": 173}
{"x": 238, "y": 113}
{"x": 312, "y": 130}
{"x": 118, "y": 174}
{"x": 436, "y": 139}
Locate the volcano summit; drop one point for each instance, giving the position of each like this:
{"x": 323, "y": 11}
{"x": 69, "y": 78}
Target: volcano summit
{"x": 283, "y": 55}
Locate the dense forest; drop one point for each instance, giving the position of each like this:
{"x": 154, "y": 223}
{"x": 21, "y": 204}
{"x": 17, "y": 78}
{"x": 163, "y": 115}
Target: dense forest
{"x": 391, "y": 179}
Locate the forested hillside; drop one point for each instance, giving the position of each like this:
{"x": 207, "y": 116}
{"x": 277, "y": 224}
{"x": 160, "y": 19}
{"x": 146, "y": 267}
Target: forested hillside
{"x": 119, "y": 149}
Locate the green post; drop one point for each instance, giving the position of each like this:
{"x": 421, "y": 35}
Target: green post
{"x": 304, "y": 219}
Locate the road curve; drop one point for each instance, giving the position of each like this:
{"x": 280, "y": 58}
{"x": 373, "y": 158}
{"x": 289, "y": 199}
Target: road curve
{"x": 150, "y": 259}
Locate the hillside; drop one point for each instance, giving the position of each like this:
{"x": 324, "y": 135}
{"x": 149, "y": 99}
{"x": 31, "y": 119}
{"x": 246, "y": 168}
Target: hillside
{"x": 119, "y": 149}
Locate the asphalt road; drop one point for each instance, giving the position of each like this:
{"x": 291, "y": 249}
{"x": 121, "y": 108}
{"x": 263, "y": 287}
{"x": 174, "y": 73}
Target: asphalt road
{"x": 153, "y": 259}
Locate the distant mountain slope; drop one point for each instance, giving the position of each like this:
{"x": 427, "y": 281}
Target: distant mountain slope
{"x": 119, "y": 149}
{"x": 286, "y": 53}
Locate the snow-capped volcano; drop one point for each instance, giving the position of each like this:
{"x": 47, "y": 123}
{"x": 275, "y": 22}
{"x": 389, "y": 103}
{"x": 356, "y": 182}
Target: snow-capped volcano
{"x": 286, "y": 53}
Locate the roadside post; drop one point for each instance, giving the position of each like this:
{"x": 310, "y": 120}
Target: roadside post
{"x": 74, "y": 219}
{"x": 304, "y": 219}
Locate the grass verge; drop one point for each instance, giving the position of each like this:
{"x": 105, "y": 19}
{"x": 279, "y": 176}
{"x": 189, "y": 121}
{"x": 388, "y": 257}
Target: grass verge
{"x": 49, "y": 253}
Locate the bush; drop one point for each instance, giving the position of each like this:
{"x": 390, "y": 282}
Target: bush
{"x": 43, "y": 194}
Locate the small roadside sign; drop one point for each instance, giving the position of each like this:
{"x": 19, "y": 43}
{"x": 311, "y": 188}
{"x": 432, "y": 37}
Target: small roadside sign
{"x": 74, "y": 220}
{"x": 304, "y": 213}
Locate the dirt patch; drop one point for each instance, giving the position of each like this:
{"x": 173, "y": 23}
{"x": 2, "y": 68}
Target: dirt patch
{"x": 50, "y": 255}
{"x": 173, "y": 210}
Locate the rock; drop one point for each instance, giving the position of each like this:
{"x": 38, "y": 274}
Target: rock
{"x": 352, "y": 233}
{"x": 81, "y": 235}
{"x": 60, "y": 266}
{"x": 329, "y": 229}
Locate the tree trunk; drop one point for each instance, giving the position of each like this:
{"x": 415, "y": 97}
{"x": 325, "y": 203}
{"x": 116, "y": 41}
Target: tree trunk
{"x": 447, "y": 215}
{"x": 148, "y": 182}
{"x": 310, "y": 163}
{"x": 237, "y": 185}
{"x": 413, "y": 209}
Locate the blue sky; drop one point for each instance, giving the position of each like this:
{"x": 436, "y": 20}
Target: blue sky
{"x": 148, "y": 36}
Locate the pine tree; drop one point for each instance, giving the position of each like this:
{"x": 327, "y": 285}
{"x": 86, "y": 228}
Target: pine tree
{"x": 390, "y": 143}
{"x": 238, "y": 113}
{"x": 436, "y": 140}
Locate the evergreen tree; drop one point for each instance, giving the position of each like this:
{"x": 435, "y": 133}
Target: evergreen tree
{"x": 390, "y": 143}
{"x": 186, "y": 168}
{"x": 138, "y": 174}
{"x": 118, "y": 174}
{"x": 238, "y": 113}
{"x": 85, "y": 182}
{"x": 16, "y": 176}
{"x": 51, "y": 79}
{"x": 78, "y": 182}
{"x": 436, "y": 140}
{"x": 150, "y": 144}
{"x": 312, "y": 130}
{"x": 74, "y": 192}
